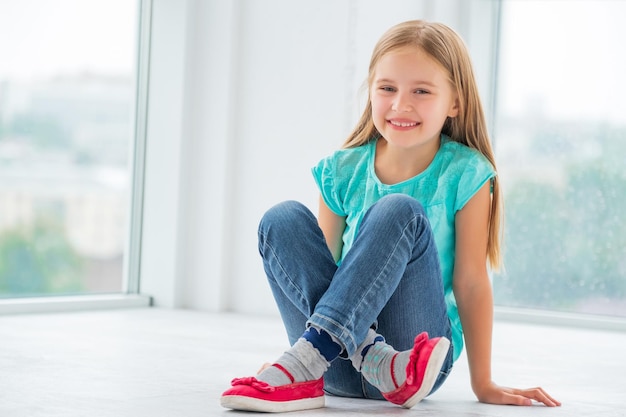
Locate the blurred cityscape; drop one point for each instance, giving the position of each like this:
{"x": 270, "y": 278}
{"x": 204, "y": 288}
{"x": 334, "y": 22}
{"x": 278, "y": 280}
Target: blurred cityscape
{"x": 65, "y": 147}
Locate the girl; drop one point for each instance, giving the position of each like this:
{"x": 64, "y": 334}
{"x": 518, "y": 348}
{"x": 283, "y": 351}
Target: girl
{"x": 380, "y": 293}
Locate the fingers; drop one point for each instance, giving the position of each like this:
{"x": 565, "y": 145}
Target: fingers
{"x": 515, "y": 399}
{"x": 537, "y": 394}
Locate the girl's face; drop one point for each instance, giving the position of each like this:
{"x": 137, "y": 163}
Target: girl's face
{"x": 411, "y": 98}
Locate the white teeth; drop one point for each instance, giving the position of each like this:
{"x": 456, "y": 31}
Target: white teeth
{"x": 402, "y": 124}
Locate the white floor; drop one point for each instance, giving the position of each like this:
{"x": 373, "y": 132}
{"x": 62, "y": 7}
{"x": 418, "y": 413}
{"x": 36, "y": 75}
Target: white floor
{"x": 156, "y": 362}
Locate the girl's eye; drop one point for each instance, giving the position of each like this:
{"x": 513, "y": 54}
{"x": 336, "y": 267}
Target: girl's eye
{"x": 420, "y": 91}
{"x": 388, "y": 89}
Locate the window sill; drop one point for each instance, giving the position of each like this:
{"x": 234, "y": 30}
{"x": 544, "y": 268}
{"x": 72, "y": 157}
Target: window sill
{"x": 561, "y": 319}
{"x": 72, "y": 303}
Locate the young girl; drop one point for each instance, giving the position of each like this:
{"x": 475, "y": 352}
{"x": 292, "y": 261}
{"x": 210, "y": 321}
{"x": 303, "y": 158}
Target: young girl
{"x": 380, "y": 293}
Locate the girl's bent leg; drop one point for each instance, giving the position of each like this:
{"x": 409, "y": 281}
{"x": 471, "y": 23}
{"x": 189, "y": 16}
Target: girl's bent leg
{"x": 299, "y": 268}
{"x": 391, "y": 277}
{"x": 393, "y": 253}
{"x": 297, "y": 262}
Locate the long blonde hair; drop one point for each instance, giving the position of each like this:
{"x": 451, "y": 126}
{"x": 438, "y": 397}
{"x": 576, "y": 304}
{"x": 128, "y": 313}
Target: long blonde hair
{"x": 469, "y": 127}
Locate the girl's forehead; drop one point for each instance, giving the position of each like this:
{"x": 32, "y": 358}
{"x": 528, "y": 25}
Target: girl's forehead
{"x": 406, "y": 50}
{"x": 415, "y": 56}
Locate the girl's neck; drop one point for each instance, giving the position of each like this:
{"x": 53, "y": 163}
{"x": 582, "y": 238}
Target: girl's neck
{"x": 394, "y": 165}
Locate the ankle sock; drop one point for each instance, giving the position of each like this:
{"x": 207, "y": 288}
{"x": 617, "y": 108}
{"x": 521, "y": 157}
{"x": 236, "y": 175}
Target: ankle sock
{"x": 374, "y": 358}
{"x": 306, "y": 360}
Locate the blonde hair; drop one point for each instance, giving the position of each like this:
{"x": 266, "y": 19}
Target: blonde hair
{"x": 469, "y": 127}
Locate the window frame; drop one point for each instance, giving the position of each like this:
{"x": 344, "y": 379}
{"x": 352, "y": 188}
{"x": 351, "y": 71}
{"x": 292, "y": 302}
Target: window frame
{"x": 528, "y": 315}
{"x": 130, "y": 295}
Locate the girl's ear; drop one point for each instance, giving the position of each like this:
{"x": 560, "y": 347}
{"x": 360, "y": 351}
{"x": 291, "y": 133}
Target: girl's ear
{"x": 454, "y": 109}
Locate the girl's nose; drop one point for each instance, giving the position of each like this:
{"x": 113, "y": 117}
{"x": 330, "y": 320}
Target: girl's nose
{"x": 401, "y": 103}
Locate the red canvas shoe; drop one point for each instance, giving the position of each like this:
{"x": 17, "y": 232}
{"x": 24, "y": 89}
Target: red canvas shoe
{"x": 250, "y": 394}
{"x": 422, "y": 371}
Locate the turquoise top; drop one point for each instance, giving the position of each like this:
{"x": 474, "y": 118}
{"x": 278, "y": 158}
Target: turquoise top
{"x": 349, "y": 186}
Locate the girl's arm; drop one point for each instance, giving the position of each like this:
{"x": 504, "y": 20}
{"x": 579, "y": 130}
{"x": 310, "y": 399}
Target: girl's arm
{"x": 472, "y": 290}
{"x": 332, "y": 226}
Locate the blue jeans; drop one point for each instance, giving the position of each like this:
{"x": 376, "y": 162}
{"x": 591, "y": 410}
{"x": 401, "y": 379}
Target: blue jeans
{"x": 390, "y": 280}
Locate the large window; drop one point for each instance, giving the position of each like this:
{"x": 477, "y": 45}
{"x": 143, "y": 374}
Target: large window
{"x": 67, "y": 97}
{"x": 560, "y": 139}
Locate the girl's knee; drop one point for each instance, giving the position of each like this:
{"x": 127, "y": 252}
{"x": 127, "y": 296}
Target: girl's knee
{"x": 287, "y": 213}
{"x": 399, "y": 203}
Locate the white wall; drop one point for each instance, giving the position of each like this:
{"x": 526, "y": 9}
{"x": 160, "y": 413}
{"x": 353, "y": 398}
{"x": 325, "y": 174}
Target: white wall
{"x": 246, "y": 96}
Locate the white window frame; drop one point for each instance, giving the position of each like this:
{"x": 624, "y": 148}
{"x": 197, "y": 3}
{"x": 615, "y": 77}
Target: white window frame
{"x": 130, "y": 295}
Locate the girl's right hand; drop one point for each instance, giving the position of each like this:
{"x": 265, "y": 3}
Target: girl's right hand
{"x": 495, "y": 394}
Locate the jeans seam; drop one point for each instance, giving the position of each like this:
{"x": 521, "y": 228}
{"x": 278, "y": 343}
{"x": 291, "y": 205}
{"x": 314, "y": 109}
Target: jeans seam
{"x": 282, "y": 268}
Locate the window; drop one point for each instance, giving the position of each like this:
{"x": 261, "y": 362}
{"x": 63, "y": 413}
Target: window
{"x": 560, "y": 138}
{"x": 67, "y": 99}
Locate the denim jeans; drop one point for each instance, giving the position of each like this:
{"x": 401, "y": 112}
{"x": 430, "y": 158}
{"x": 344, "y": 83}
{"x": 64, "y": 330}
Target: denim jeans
{"x": 390, "y": 280}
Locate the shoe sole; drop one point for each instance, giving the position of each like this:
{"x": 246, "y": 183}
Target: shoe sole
{"x": 239, "y": 402}
{"x": 435, "y": 362}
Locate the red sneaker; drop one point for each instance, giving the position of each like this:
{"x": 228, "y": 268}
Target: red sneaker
{"x": 250, "y": 394}
{"x": 422, "y": 370}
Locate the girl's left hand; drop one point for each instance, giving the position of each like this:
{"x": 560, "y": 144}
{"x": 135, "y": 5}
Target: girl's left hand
{"x": 494, "y": 394}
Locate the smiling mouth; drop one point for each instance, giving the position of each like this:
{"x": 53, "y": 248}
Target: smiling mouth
{"x": 403, "y": 124}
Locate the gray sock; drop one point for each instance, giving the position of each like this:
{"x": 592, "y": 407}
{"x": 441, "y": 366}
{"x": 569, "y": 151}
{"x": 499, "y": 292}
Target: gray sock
{"x": 373, "y": 359}
{"x": 376, "y": 366}
{"x": 303, "y": 361}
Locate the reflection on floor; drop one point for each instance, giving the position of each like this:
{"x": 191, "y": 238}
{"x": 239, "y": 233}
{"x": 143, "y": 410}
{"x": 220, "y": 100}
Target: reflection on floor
{"x": 158, "y": 362}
